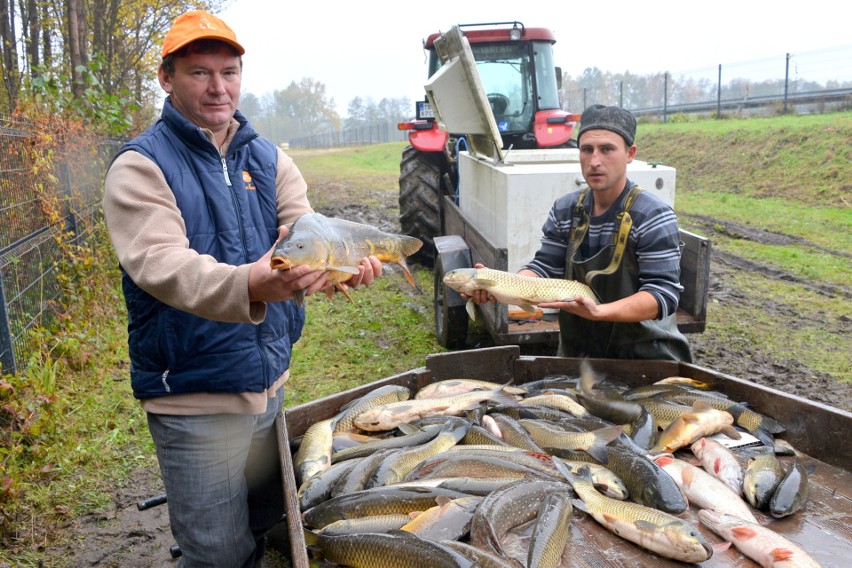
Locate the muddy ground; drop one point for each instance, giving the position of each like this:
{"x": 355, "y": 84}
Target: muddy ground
{"x": 129, "y": 538}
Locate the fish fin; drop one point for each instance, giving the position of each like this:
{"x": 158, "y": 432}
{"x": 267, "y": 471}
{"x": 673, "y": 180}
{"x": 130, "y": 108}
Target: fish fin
{"x": 687, "y": 476}
{"x": 346, "y": 269}
{"x": 603, "y": 436}
{"x": 580, "y": 505}
{"x": 311, "y": 538}
{"x": 731, "y": 432}
{"x": 471, "y": 309}
{"x": 299, "y": 297}
{"x": 720, "y": 547}
{"x": 564, "y": 469}
{"x": 406, "y": 428}
{"x": 485, "y": 282}
{"x": 442, "y": 500}
{"x": 407, "y": 272}
{"x": 701, "y": 405}
{"x": 645, "y": 526}
{"x": 588, "y": 378}
{"x": 781, "y": 554}
{"x": 765, "y": 437}
{"x": 663, "y": 460}
{"x": 529, "y": 308}
{"x": 343, "y": 291}
{"x": 743, "y": 533}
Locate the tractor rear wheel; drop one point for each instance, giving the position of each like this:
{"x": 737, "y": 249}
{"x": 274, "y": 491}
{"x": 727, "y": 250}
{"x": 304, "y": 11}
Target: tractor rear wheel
{"x": 420, "y": 193}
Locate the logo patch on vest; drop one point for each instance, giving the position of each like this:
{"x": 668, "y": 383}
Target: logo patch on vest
{"x": 247, "y": 178}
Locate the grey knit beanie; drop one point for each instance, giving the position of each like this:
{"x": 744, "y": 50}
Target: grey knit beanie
{"x": 612, "y": 118}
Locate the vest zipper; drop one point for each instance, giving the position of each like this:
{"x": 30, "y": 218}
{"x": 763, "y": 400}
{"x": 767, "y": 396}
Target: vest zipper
{"x": 225, "y": 171}
{"x": 165, "y": 383}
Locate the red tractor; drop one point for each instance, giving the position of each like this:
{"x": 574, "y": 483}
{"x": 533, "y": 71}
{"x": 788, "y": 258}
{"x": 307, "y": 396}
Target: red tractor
{"x": 515, "y": 65}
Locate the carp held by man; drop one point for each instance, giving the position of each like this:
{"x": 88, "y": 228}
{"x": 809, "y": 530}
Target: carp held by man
{"x": 337, "y": 246}
{"x": 515, "y": 289}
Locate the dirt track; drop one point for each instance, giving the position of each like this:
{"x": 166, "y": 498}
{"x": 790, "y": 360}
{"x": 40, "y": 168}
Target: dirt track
{"x": 129, "y": 538}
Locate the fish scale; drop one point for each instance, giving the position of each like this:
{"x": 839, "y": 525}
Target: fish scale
{"x": 515, "y": 289}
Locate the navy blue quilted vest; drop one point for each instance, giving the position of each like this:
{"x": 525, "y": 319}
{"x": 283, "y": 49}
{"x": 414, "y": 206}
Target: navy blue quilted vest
{"x": 230, "y": 213}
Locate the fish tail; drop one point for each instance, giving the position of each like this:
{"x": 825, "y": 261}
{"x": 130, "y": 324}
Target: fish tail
{"x": 409, "y": 245}
{"x": 603, "y": 437}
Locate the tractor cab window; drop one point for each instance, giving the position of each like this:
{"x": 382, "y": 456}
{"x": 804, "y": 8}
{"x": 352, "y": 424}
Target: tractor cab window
{"x": 506, "y": 75}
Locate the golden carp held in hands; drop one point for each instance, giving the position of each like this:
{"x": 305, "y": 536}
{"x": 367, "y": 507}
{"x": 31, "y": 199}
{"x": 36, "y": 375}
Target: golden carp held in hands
{"x": 514, "y": 289}
{"x": 337, "y": 246}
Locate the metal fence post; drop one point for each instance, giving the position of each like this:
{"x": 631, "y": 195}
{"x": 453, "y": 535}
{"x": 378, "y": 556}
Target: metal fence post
{"x": 786, "y": 80}
{"x": 7, "y": 350}
{"x": 719, "y": 94}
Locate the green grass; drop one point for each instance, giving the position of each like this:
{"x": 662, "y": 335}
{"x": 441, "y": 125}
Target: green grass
{"x": 749, "y": 327}
{"x": 387, "y": 330}
{"x": 362, "y": 174}
{"x": 804, "y": 158}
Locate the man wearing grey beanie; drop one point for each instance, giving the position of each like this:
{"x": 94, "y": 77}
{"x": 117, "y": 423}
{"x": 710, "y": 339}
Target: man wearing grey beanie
{"x": 621, "y": 241}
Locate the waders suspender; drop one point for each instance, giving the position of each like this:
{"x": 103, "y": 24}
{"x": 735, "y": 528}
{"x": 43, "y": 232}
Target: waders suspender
{"x": 579, "y": 226}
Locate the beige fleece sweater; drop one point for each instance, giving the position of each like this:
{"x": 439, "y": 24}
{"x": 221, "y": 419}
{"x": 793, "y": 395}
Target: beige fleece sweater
{"x": 149, "y": 237}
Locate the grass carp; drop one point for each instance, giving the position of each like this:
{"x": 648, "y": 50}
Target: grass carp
{"x": 451, "y": 387}
{"x": 419, "y": 436}
{"x": 375, "y": 501}
{"x": 376, "y": 523}
{"x": 654, "y": 530}
{"x": 761, "y": 544}
{"x": 314, "y": 453}
{"x": 509, "y": 507}
{"x": 554, "y": 439}
{"x": 551, "y": 531}
{"x": 389, "y": 416}
{"x": 514, "y": 289}
{"x": 395, "y": 549}
{"x": 337, "y": 246}
{"x": 381, "y": 395}
{"x": 395, "y": 466}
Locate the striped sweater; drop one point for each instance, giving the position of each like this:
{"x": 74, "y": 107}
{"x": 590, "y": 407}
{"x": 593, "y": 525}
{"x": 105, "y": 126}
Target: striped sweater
{"x": 654, "y": 241}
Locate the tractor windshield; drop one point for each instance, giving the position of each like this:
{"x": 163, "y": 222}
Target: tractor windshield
{"x": 504, "y": 70}
{"x": 518, "y": 79}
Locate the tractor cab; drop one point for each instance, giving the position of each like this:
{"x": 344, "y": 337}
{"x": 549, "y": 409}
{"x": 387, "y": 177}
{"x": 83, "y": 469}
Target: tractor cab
{"x": 516, "y": 67}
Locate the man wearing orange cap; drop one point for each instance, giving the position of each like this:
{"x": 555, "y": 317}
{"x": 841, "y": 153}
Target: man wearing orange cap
{"x": 193, "y": 206}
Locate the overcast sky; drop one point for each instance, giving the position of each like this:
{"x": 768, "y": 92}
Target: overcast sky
{"x": 373, "y": 49}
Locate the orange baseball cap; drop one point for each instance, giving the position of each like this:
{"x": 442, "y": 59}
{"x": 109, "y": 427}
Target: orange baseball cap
{"x": 198, "y": 24}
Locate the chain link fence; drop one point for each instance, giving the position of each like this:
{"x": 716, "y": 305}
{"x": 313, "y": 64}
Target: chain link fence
{"x": 375, "y": 133}
{"x": 808, "y": 82}
{"x": 40, "y": 201}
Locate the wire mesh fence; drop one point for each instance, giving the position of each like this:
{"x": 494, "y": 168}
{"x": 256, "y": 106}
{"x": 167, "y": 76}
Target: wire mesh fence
{"x": 42, "y": 202}
{"x": 807, "y": 82}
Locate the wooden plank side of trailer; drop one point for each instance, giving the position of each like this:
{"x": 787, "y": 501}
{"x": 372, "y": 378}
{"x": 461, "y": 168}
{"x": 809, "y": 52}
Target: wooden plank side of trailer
{"x": 822, "y": 527}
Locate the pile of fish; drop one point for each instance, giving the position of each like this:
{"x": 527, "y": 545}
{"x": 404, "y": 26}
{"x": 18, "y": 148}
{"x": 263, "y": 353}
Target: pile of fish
{"x": 337, "y": 246}
{"x": 473, "y": 473}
